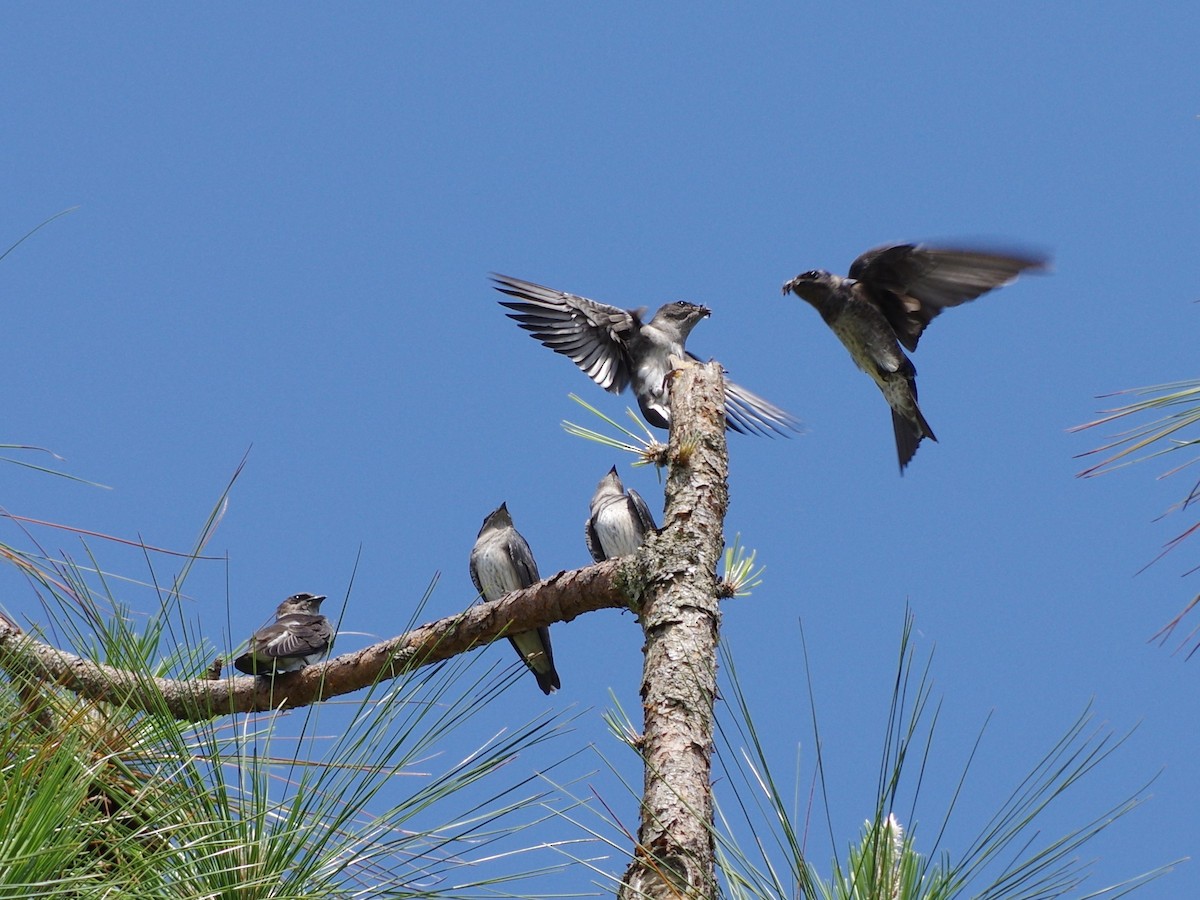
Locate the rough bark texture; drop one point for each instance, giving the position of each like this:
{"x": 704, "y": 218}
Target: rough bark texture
{"x": 680, "y": 617}
{"x": 557, "y": 599}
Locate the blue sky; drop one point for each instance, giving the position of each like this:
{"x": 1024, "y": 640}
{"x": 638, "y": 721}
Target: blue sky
{"x": 286, "y": 218}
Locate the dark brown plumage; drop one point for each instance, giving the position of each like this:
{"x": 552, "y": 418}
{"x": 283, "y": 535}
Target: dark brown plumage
{"x": 298, "y": 637}
{"x": 890, "y": 296}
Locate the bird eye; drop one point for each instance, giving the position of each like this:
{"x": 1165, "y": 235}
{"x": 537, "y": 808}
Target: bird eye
{"x": 811, "y": 274}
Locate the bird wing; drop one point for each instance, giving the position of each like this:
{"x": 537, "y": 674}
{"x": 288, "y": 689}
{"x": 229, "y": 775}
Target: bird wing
{"x": 293, "y": 635}
{"x": 475, "y": 578}
{"x": 748, "y": 413}
{"x": 911, "y": 283}
{"x": 593, "y": 540}
{"x": 642, "y": 511}
{"x": 594, "y": 335}
{"x": 522, "y": 560}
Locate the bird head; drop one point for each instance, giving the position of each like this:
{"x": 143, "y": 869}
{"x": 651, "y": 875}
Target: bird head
{"x": 610, "y": 484}
{"x": 681, "y": 315}
{"x": 498, "y": 518}
{"x": 812, "y": 285}
{"x": 302, "y": 604}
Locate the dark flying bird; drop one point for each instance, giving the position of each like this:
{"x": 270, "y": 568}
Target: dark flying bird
{"x": 298, "y": 637}
{"x": 890, "y": 296}
{"x": 619, "y": 519}
{"x": 501, "y": 562}
{"x": 616, "y": 348}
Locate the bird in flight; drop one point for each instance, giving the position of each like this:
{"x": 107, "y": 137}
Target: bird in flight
{"x": 619, "y": 520}
{"x": 891, "y": 294}
{"x": 501, "y": 562}
{"x": 298, "y": 637}
{"x": 616, "y": 348}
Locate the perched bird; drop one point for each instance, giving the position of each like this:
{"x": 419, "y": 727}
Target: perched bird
{"x": 298, "y": 637}
{"x": 501, "y": 562}
{"x": 619, "y": 519}
{"x": 891, "y": 294}
{"x": 617, "y": 349}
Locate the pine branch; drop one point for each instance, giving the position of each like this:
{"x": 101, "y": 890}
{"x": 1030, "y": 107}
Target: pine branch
{"x": 671, "y": 581}
{"x": 560, "y": 598}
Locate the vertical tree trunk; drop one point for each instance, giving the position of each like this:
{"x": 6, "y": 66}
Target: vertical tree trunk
{"x": 680, "y": 618}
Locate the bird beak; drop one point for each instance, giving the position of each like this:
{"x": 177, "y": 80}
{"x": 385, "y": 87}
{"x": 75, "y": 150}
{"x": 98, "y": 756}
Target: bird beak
{"x": 706, "y": 311}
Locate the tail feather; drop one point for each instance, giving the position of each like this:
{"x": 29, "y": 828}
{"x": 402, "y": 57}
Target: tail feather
{"x": 548, "y": 681}
{"x": 534, "y": 648}
{"x": 909, "y": 434}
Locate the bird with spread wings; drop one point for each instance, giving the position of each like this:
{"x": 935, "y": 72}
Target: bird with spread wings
{"x": 618, "y": 348}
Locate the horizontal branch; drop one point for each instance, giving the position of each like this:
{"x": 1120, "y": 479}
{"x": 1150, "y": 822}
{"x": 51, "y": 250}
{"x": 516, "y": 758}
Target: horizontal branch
{"x": 560, "y": 598}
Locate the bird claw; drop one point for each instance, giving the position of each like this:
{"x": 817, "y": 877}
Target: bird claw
{"x": 677, "y": 364}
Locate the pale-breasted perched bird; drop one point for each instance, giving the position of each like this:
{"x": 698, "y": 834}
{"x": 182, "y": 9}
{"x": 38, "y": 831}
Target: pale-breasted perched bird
{"x": 619, "y": 519}
{"x": 890, "y": 296}
{"x": 501, "y": 562}
{"x": 617, "y": 349}
{"x": 298, "y": 637}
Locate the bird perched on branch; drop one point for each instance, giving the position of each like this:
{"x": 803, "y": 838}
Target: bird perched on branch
{"x": 501, "y": 562}
{"x": 891, "y": 295}
{"x": 619, "y": 520}
{"x": 298, "y": 637}
{"x": 617, "y": 348}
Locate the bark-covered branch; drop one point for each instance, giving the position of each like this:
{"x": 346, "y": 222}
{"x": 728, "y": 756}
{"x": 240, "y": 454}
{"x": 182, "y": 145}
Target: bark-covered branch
{"x": 671, "y": 581}
{"x": 680, "y": 618}
{"x": 557, "y": 599}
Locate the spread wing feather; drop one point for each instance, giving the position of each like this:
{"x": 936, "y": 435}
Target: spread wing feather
{"x": 748, "y": 413}
{"x": 591, "y": 334}
{"x": 912, "y": 283}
